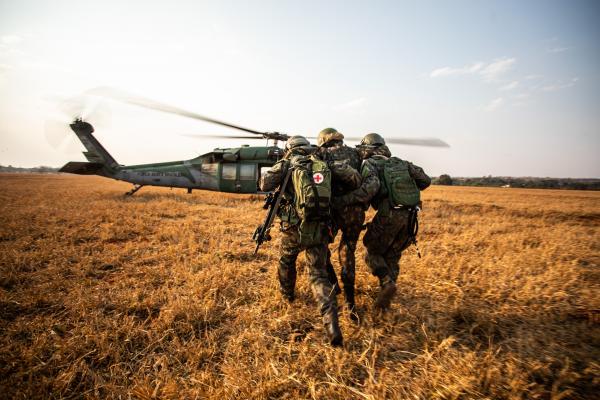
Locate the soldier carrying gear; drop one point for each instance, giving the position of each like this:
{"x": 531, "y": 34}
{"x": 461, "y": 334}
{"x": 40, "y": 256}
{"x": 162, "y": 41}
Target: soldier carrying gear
{"x": 349, "y": 218}
{"x": 392, "y": 187}
{"x": 304, "y": 229}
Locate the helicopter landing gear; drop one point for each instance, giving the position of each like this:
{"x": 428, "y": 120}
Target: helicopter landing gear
{"x": 135, "y": 189}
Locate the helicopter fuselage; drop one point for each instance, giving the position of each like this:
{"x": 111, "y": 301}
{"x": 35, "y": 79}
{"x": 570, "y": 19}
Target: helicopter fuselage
{"x": 234, "y": 170}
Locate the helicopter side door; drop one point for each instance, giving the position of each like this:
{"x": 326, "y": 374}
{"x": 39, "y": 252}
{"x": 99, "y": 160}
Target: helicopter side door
{"x": 248, "y": 177}
{"x": 238, "y": 177}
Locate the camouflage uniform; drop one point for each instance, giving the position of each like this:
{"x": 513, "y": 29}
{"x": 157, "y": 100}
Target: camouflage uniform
{"x": 348, "y": 217}
{"x": 290, "y": 241}
{"x": 389, "y": 233}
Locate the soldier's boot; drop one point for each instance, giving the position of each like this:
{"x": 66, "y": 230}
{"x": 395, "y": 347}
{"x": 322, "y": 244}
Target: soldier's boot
{"x": 287, "y": 280}
{"x": 332, "y": 327}
{"x": 350, "y": 303}
{"x": 287, "y": 294}
{"x": 388, "y": 289}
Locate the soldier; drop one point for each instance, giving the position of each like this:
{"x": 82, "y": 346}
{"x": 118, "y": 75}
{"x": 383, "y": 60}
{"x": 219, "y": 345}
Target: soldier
{"x": 349, "y": 218}
{"x": 392, "y": 228}
{"x": 316, "y": 254}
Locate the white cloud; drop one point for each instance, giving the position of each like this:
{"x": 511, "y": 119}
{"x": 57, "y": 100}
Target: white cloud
{"x": 11, "y": 39}
{"x": 560, "y": 85}
{"x": 533, "y": 76}
{"x": 447, "y": 71}
{"x": 510, "y": 86}
{"x": 498, "y": 67}
{"x": 351, "y": 104}
{"x": 494, "y": 104}
{"x": 557, "y": 49}
{"x": 488, "y": 71}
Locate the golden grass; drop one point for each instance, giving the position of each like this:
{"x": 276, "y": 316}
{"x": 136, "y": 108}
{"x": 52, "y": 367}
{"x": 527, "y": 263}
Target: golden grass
{"x": 159, "y": 296}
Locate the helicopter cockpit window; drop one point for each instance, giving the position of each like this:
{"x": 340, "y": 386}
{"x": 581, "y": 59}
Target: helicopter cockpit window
{"x": 229, "y": 171}
{"x": 210, "y": 169}
{"x": 247, "y": 172}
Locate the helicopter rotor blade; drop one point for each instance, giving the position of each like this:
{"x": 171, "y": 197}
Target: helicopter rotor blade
{"x": 124, "y": 97}
{"x": 425, "y": 142}
{"x": 128, "y": 98}
{"x": 200, "y": 136}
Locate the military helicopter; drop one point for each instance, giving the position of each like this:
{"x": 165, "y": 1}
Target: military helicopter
{"x": 234, "y": 170}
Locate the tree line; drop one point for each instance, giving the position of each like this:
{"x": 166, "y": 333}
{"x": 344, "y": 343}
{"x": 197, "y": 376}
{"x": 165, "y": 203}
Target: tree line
{"x": 40, "y": 169}
{"x": 521, "y": 182}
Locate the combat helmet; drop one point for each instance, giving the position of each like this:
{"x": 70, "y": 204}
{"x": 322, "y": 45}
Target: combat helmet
{"x": 327, "y": 135}
{"x": 372, "y": 139}
{"x": 296, "y": 141}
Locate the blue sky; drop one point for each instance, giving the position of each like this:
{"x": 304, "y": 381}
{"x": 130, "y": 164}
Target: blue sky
{"x": 512, "y": 86}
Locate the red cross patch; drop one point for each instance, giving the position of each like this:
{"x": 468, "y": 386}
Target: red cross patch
{"x": 318, "y": 177}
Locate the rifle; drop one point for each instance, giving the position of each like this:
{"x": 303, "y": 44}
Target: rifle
{"x": 272, "y": 202}
{"x": 413, "y": 228}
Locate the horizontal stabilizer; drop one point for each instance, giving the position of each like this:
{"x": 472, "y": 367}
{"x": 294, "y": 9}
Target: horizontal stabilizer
{"x": 82, "y": 168}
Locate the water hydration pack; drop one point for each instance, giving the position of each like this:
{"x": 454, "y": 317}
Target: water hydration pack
{"x": 311, "y": 178}
{"x": 400, "y": 186}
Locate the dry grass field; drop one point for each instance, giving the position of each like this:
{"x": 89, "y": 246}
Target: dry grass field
{"x": 159, "y": 296}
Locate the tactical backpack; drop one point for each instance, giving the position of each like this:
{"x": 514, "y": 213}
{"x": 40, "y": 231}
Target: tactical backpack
{"x": 397, "y": 182}
{"x": 311, "y": 178}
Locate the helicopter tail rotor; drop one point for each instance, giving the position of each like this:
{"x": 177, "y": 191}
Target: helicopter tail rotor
{"x": 67, "y": 110}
